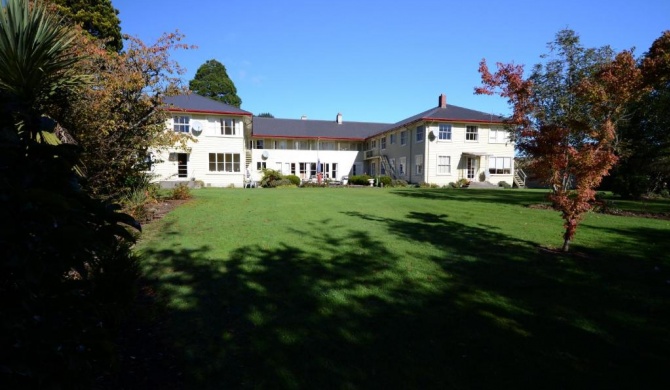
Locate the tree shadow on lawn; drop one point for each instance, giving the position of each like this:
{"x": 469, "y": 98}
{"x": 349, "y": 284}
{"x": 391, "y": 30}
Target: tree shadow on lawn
{"x": 352, "y": 313}
{"x": 640, "y": 242}
{"x": 507, "y": 197}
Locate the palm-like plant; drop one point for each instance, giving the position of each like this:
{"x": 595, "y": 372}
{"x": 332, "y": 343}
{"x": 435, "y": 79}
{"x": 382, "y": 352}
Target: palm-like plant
{"x": 35, "y": 62}
{"x": 58, "y": 243}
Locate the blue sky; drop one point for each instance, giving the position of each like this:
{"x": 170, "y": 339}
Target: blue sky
{"x": 379, "y": 61}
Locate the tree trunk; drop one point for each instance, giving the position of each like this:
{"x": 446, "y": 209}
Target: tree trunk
{"x": 566, "y": 245}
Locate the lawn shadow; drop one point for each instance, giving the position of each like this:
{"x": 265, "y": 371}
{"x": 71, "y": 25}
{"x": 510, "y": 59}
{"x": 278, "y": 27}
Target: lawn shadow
{"x": 643, "y": 243}
{"x": 350, "y": 312}
{"x": 506, "y": 197}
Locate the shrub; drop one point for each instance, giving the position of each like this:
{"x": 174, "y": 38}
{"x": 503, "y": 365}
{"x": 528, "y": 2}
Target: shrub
{"x": 453, "y": 185}
{"x": 135, "y": 204}
{"x": 269, "y": 177}
{"x": 632, "y": 186}
{"x": 181, "y": 191}
{"x": 279, "y": 183}
{"x": 504, "y": 184}
{"x": 115, "y": 277}
{"x": 154, "y": 191}
{"x": 398, "y": 183}
{"x": 360, "y": 180}
{"x": 428, "y": 185}
{"x": 385, "y": 180}
{"x": 462, "y": 183}
{"x": 293, "y": 179}
{"x": 310, "y": 184}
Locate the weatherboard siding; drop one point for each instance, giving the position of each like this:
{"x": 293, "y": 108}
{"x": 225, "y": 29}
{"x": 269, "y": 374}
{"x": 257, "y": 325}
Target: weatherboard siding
{"x": 206, "y": 142}
{"x": 456, "y": 149}
{"x": 344, "y": 160}
{"x": 288, "y": 142}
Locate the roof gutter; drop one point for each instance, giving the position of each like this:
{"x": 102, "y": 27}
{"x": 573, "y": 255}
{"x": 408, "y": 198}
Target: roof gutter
{"x": 306, "y": 137}
{"x": 438, "y": 120}
{"x": 209, "y": 112}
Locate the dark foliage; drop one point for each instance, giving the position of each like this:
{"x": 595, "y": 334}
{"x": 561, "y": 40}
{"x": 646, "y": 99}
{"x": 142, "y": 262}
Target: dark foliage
{"x": 98, "y": 17}
{"x": 66, "y": 271}
{"x": 212, "y": 80}
{"x": 360, "y": 180}
{"x": 644, "y": 138}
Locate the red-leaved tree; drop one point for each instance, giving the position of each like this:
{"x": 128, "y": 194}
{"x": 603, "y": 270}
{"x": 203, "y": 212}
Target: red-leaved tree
{"x": 564, "y": 118}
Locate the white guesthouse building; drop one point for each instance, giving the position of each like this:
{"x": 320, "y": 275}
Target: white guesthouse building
{"x": 440, "y": 145}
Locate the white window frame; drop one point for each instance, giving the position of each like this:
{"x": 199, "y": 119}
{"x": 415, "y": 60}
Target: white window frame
{"x": 224, "y": 162}
{"x": 444, "y": 165}
{"x": 383, "y": 143}
{"x": 418, "y": 164}
{"x": 498, "y": 136}
{"x": 471, "y": 134}
{"x": 181, "y": 123}
{"x": 227, "y": 126}
{"x": 420, "y": 133}
{"x": 444, "y": 132}
{"x": 303, "y": 168}
{"x": 500, "y": 165}
{"x": 403, "y": 138}
{"x": 260, "y": 165}
{"x": 392, "y": 138}
{"x": 402, "y": 164}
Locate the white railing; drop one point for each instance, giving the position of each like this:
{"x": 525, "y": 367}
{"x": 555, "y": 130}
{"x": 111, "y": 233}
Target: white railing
{"x": 520, "y": 177}
{"x": 371, "y": 153}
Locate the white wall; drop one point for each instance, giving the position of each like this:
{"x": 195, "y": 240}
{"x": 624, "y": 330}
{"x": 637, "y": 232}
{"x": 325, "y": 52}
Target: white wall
{"x": 344, "y": 159}
{"x": 209, "y": 141}
{"x": 484, "y": 146}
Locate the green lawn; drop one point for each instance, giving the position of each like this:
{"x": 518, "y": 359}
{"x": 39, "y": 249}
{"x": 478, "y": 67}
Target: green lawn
{"x": 417, "y": 288}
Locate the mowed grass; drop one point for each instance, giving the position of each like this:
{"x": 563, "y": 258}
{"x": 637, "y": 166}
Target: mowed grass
{"x": 349, "y": 288}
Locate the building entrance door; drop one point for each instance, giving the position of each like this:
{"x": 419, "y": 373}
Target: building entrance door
{"x": 471, "y": 167}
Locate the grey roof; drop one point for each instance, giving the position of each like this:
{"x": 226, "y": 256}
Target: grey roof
{"x": 450, "y": 113}
{"x": 299, "y": 128}
{"x": 200, "y": 104}
{"x": 308, "y": 128}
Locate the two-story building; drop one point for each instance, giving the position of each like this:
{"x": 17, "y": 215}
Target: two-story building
{"x": 440, "y": 145}
{"x": 217, "y": 158}
{"x": 297, "y": 146}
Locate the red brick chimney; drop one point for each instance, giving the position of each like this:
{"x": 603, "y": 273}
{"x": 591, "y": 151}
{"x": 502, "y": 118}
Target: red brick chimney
{"x": 442, "y": 102}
